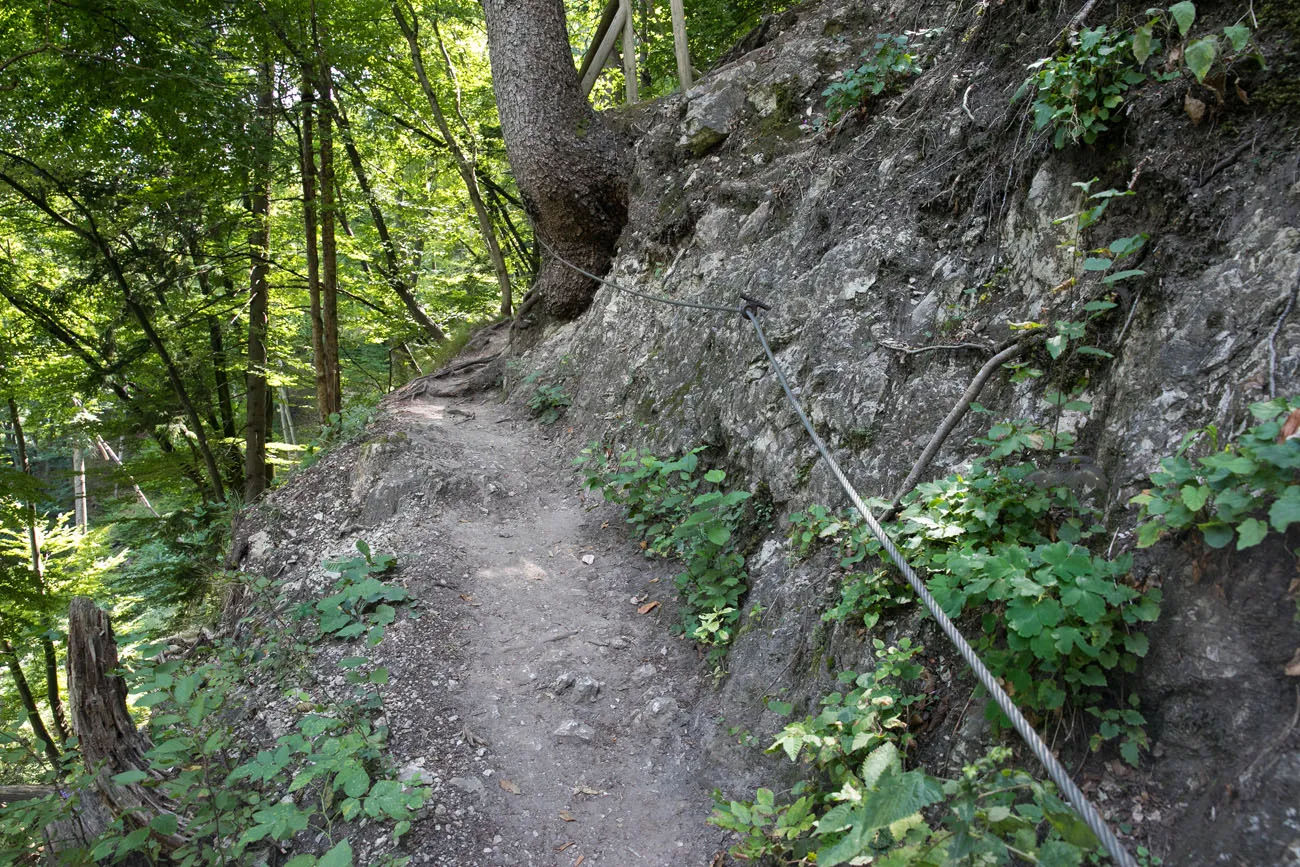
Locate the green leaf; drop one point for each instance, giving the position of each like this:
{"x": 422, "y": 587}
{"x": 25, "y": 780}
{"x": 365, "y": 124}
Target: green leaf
{"x": 1136, "y": 643}
{"x": 1200, "y": 56}
{"x": 353, "y": 662}
{"x": 1096, "y": 263}
{"x": 718, "y": 535}
{"x": 301, "y": 861}
{"x": 1216, "y": 533}
{"x": 1195, "y": 496}
{"x": 1142, "y": 43}
{"x": 780, "y": 708}
{"x": 1238, "y": 35}
{"x": 714, "y": 476}
{"x": 1056, "y": 345}
{"x": 339, "y": 856}
{"x": 127, "y": 778}
{"x": 1250, "y": 532}
{"x": 1184, "y": 14}
{"x": 1285, "y": 511}
{"x": 1092, "y": 350}
{"x": 165, "y": 823}
{"x": 1110, "y": 279}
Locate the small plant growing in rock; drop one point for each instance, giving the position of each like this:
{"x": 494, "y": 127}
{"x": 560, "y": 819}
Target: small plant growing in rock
{"x": 1078, "y": 93}
{"x": 886, "y": 65}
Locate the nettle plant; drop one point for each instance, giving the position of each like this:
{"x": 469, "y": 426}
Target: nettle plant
{"x": 1079, "y": 93}
{"x": 684, "y": 514}
{"x": 885, "y": 66}
{"x": 232, "y": 802}
{"x": 549, "y": 400}
{"x": 1240, "y": 491}
{"x": 858, "y": 805}
{"x": 1007, "y": 542}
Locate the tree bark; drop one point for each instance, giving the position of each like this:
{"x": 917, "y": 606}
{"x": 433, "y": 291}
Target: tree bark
{"x": 29, "y": 703}
{"x": 106, "y": 733}
{"x": 465, "y": 163}
{"x": 311, "y": 221}
{"x": 329, "y": 286}
{"x": 571, "y": 167}
{"x": 256, "y": 477}
{"x": 38, "y": 577}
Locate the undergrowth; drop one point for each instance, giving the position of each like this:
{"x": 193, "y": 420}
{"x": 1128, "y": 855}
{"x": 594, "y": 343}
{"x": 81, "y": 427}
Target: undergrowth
{"x": 1007, "y": 542}
{"x": 229, "y": 802}
{"x": 682, "y": 513}
{"x": 858, "y": 805}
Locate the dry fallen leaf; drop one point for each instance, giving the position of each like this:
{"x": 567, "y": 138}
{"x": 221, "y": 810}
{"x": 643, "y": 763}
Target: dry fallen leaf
{"x": 565, "y": 846}
{"x": 578, "y": 863}
{"x": 647, "y": 608}
{"x": 1194, "y": 107}
{"x": 567, "y": 816}
{"x": 1241, "y": 93}
{"x": 604, "y": 525}
{"x": 1290, "y": 426}
{"x": 510, "y": 787}
{"x": 583, "y": 790}
{"x": 1293, "y": 667}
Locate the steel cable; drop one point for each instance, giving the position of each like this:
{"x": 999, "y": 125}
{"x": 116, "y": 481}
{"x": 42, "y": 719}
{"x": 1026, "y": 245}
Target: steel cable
{"x": 1054, "y": 768}
{"x": 717, "y": 308}
{"x": 1040, "y": 750}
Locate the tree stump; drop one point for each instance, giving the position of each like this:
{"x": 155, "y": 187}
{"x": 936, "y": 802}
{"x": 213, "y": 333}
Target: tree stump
{"x": 109, "y": 741}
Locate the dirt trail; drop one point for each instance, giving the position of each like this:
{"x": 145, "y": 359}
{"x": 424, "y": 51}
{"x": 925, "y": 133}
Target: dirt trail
{"x": 556, "y": 724}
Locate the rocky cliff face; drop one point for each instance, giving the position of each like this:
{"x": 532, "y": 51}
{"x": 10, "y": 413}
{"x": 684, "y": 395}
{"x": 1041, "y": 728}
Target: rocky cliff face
{"x": 933, "y": 217}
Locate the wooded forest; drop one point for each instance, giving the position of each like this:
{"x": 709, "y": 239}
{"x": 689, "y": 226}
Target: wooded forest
{"x": 227, "y": 229}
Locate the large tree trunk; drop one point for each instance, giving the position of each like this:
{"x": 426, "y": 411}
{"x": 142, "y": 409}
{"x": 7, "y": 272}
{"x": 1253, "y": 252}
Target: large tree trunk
{"x": 257, "y": 398}
{"x": 570, "y": 166}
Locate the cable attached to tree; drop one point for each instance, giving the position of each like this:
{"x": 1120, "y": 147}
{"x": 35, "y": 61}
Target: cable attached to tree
{"x": 717, "y": 308}
{"x": 750, "y": 309}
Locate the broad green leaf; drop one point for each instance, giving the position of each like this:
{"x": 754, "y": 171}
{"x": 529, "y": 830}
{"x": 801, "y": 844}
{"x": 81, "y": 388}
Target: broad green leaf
{"x": 1285, "y": 511}
{"x": 339, "y": 856}
{"x": 1216, "y": 533}
{"x": 1195, "y": 496}
{"x": 127, "y": 778}
{"x": 1238, "y": 35}
{"x": 165, "y": 823}
{"x": 1056, "y": 345}
{"x": 1149, "y": 533}
{"x": 1200, "y": 56}
{"x": 1096, "y": 263}
{"x": 1110, "y": 279}
{"x": 1142, "y": 43}
{"x": 1250, "y": 532}
{"x": 714, "y": 476}
{"x": 718, "y": 535}
{"x": 1184, "y": 14}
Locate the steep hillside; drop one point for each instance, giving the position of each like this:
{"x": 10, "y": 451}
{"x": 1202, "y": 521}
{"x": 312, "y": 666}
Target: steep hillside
{"x": 901, "y": 245}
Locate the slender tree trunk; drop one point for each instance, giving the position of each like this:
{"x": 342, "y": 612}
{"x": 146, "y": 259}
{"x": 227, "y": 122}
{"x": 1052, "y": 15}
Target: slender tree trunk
{"x": 465, "y": 163}
{"x": 79, "y": 511}
{"x": 570, "y": 166}
{"x": 309, "y": 210}
{"x": 29, "y": 703}
{"x": 393, "y": 268}
{"x": 329, "y": 251}
{"x": 256, "y": 399}
{"x": 38, "y": 576}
